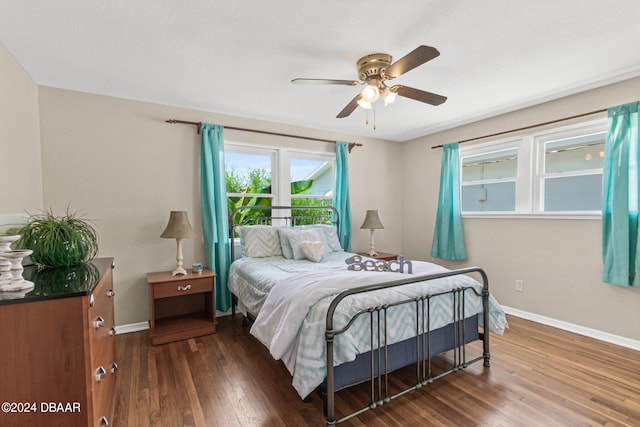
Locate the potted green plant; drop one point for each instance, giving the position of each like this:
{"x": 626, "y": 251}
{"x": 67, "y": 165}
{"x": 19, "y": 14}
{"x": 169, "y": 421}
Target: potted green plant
{"x": 58, "y": 241}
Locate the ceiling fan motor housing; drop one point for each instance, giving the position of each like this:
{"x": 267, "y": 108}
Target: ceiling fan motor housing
{"x": 371, "y": 66}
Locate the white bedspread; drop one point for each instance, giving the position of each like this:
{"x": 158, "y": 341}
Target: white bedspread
{"x": 292, "y": 320}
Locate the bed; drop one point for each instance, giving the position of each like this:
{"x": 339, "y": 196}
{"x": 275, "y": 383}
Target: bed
{"x": 336, "y": 319}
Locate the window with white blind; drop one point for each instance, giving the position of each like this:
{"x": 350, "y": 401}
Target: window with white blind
{"x": 554, "y": 173}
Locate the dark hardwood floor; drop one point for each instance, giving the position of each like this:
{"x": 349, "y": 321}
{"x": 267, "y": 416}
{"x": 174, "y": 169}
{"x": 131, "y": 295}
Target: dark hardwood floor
{"x": 539, "y": 376}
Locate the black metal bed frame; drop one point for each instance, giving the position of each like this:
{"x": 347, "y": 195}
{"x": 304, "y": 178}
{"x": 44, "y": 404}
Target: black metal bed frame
{"x": 379, "y": 374}
{"x": 379, "y": 378}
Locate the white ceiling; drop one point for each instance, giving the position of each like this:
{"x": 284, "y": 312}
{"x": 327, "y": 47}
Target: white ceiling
{"x": 238, "y": 57}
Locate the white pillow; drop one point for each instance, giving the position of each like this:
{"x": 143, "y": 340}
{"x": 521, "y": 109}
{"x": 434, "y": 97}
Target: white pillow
{"x": 313, "y": 251}
{"x": 259, "y": 241}
{"x": 299, "y": 235}
{"x": 330, "y": 236}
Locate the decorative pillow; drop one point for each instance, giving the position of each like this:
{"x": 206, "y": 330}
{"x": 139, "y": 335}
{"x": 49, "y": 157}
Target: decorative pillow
{"x": 330, "y": 236}
{"x": 313, "y": 251}
{"x": 299, "y": 235}
{"x": 285, "y": 245}
{"x": 259, "y": 241}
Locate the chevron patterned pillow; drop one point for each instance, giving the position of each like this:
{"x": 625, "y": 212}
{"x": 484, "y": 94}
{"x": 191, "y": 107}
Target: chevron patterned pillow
{"x": 259, "y": 241}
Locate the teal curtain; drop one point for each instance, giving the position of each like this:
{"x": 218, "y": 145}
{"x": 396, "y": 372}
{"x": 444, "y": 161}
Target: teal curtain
{"x": 448, "y": 237}
{"x": 341, "y": 195}
{"x": 215, "y": 218}
{"x": 620, "y": 194}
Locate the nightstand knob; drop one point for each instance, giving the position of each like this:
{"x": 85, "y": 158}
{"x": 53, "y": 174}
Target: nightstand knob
{"x": 104, "y": 422}
{"x": 100, "y": 374}
{"x": 114, "y": 368}
{"x": 98, "y": 322}
{"x": 184, "y": 288}
{"x": 112, "y": 331}
{"x": 92, "y": 301}
{"x": 111, "y": 293}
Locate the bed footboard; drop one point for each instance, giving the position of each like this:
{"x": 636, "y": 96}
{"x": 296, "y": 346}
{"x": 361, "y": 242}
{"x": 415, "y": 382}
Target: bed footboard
{"x": 380, "y": 365}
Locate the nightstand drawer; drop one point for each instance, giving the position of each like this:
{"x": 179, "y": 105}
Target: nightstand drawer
{"x": 182, "y": 287}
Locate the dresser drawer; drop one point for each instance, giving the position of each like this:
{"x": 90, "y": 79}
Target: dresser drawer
{"x": 182, "y": 287}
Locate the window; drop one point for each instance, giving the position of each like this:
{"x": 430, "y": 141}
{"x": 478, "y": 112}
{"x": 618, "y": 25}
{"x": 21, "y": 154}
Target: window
{"x": 551, "y": 173}
{"x": 489, "y": 181}
{"x": 570, "y": 176}
{"x": 276, "y": 177}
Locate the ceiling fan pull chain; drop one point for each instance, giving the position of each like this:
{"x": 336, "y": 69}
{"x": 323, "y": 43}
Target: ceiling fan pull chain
{"x": 374, "y": 117}
{"x": 366, "y": 119}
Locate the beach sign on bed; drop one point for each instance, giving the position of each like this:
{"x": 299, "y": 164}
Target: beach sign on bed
{"x": 358, "y": 263}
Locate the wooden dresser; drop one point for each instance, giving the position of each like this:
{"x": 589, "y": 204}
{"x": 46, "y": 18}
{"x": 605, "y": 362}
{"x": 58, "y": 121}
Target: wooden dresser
{"x": 57, "y": 348}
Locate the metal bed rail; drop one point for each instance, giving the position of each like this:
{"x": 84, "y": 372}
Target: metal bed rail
{"x": 379, "y": 382}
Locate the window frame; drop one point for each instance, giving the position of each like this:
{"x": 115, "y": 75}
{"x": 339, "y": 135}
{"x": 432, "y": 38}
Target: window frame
{"x": 530, "y": 170}
{"x": 540, "y": 175}
{"x": 281, "y": 166}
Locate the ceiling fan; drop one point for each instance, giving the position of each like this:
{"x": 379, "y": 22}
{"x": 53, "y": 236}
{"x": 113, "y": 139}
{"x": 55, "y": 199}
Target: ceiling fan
{"x": 374, "y": 70}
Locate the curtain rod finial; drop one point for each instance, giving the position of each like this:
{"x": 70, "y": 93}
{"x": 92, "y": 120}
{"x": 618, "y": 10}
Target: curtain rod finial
{"x": 352, "y": 145}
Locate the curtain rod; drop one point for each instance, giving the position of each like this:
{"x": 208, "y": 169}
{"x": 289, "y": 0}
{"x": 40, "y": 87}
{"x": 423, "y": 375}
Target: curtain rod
{"x": 199, "y": 125}
{"x": 527, "y": 127}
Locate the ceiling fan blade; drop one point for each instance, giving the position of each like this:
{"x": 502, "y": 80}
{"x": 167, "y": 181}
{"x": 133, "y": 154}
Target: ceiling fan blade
{"x": 419, "y": 95}
{"x": 327, "y": 82}
{"x": 413, "y": 59}
{"x": 351, "y": 106}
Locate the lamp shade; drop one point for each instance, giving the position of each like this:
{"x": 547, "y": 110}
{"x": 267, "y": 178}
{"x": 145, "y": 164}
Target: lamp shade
{"x": 372, "y": 221}
{"x": 178, "y": 226}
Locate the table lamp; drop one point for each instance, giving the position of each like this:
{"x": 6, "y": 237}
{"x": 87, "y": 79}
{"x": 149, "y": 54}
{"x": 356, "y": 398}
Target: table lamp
{"x": 178, "y": 228}
{"x": 372, "y": 222}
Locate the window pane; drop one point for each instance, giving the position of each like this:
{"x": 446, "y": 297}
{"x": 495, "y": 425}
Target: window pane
{"x": 311, "y": 177}
{"x": 574, "y": 154}
{"x": 247, "y": 173}
{"x": 311, "y": 216}
{"x": 498, "y": 197}
{"x": 573, "y": 193}
{"x": 495, "y": 165}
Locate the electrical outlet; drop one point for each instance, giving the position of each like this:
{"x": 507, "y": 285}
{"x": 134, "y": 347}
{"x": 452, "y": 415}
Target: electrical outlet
{"x": 519, "y": 285}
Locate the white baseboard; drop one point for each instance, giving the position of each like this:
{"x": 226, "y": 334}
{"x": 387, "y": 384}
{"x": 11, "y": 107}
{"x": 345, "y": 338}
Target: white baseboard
{"x": 571, "y": 327}
{"x": 132, "y": 327}
{"x": 143, "y": 326}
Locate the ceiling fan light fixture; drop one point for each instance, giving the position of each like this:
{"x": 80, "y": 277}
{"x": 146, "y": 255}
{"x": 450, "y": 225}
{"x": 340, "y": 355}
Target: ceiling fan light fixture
{"x": 370, "y": 94}
{"x": 388, "y": 96}
{"x": 364, "y": 104}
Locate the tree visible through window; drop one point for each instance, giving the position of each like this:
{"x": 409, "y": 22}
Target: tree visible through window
{"x": 276, "y": 177}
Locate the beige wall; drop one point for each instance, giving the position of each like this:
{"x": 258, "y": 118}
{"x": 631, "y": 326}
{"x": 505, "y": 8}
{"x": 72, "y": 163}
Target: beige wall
{"x": 559, "y": 260}
{"x": 117, "y": 162}
{"x": 20, "y": 163}
{"x": 120, "y": 164}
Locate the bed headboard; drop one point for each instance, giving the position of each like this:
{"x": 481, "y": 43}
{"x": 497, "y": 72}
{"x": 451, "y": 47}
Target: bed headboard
{"x": 281, "y": 215}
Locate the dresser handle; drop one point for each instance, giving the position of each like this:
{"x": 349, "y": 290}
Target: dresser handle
{"x": 98, "y": 322}
{"x": 100, "y": 374}
{"x": 114, "y": 368}
{"x": 104, "y": 422}
{"x": 111, "y": 293}
{"x": 112, "y": 331}
{"x": 184, "y": 288}
{"x": 92, "y": 301}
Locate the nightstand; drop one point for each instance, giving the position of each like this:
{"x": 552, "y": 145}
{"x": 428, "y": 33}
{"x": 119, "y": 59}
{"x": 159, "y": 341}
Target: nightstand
{"x": 181, "y": 306}
{"x": 383, "y": 256}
